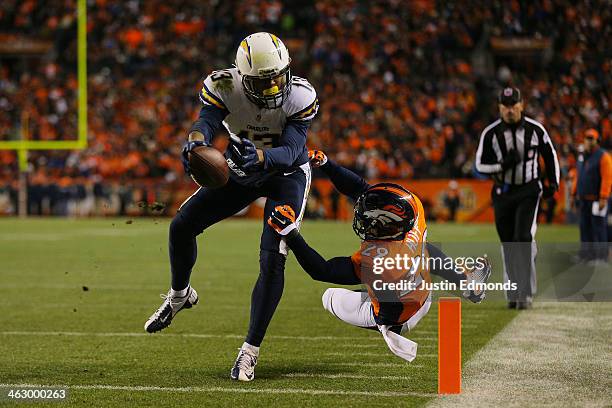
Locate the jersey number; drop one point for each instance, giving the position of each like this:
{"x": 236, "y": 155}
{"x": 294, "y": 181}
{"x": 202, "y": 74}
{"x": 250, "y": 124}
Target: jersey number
{"x": 219, "y": 75}
{"x": 261, "y": 140}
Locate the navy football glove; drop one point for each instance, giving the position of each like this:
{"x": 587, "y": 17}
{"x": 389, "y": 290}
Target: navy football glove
{"x": 282, "y": 220}
{"x": 248, "y": 157}
{"x": 187, "y": 148}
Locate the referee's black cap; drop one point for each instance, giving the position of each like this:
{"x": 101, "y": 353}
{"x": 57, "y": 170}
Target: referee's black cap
{"x": 509, "y": 96}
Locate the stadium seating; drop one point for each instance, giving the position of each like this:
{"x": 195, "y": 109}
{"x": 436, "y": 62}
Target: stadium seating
{"x": 405, "y": 87}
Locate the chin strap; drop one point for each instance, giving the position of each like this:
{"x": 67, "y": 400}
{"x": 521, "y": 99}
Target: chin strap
{"x": 399, "y": 345}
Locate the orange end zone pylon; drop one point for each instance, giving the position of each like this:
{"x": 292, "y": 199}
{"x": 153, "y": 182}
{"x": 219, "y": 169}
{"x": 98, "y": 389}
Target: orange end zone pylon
{"x": 449, "y": 345}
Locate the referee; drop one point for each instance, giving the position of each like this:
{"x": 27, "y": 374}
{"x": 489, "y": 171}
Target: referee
{"x": 508, "y": 151}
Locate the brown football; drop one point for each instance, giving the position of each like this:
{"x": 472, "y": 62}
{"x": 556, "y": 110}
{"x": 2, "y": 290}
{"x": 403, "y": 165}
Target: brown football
{"x": 208, "y": 167}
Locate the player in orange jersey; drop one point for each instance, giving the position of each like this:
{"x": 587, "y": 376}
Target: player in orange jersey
{"x": 390, "y": 222}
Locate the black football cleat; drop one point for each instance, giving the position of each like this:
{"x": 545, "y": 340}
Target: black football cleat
{"x": 171, "y": 306}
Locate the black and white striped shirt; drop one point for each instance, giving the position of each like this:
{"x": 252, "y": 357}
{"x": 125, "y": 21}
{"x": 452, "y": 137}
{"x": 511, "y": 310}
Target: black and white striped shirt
{"x": 529, "y": 139}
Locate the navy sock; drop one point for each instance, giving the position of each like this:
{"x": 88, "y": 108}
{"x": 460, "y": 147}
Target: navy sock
{"x": 183, "y": 251}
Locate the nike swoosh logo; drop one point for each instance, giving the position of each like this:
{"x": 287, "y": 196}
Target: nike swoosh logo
{"x": 163, "y": 319}
{"x": 291, "y": 172}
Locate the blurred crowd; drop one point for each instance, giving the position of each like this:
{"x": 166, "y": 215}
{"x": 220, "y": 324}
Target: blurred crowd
{"x": 405, "y": 87}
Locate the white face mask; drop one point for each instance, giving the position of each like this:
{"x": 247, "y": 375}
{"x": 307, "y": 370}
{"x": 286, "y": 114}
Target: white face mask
{"x": 268, "y": 92}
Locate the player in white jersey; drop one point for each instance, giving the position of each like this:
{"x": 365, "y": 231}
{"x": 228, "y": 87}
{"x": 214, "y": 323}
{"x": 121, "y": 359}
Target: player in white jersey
{"x": 250, "y": 121}
{"x": 267, "y": 112}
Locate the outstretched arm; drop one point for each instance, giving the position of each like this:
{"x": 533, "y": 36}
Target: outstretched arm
{"x": 345, "y": 181}
{"x": 337, "y": 270}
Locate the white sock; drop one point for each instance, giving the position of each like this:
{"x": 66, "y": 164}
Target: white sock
{"x": 179, "y": 293}
{"x": 252, "y": 349}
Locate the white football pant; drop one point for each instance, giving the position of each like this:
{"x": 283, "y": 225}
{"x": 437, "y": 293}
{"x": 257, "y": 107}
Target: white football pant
{"x": 355, "y": 308}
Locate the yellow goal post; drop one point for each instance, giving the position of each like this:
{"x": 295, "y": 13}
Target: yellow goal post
{"x": 22, "y": 145}
{"x": 81, "y": 140}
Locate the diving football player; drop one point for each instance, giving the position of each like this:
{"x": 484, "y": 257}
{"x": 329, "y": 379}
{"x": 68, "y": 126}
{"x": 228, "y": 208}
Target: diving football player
{"x": 387, "y": 216}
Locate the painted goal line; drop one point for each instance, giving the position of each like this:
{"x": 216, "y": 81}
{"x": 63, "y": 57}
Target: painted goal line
{"x": 226, "y": 390}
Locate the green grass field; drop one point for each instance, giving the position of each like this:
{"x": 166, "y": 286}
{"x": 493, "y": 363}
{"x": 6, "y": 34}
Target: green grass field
{"x": 54, "y": 332}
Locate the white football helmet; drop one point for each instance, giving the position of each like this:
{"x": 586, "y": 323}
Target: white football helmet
{"x": 263, "y": 63}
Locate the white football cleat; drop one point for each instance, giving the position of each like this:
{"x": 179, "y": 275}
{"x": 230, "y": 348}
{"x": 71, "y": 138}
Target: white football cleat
{"x": 244, "y": 367}
{"x": 478, "y": 275}
{"x": 171, "y": 306}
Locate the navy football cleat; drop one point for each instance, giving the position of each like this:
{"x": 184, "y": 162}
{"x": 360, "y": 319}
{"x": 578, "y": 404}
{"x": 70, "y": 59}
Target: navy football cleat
{"x": 171, "y": 306}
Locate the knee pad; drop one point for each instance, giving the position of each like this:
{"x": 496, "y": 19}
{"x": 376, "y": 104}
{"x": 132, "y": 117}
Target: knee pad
{"x": 272, "y": 265}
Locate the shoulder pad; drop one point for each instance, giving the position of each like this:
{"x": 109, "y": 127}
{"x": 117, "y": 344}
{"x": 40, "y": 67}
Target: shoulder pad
{"x": 302, "y": 103}
{"x": 218, "y": 87}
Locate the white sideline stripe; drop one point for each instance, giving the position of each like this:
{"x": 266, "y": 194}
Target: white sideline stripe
{"x": 225, "y": 389}
{"x": 350, "y": 376}
{"x": 192, "y": 335}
